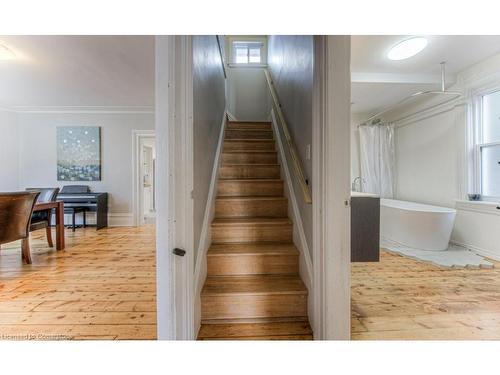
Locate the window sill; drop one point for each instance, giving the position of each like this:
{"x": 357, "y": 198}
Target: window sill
{"x": 484, "y": 207}
{"x": 234, "y": 65}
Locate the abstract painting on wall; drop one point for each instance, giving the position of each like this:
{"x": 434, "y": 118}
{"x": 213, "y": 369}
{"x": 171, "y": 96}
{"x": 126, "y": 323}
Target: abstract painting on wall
{"x": 79, "y": 153}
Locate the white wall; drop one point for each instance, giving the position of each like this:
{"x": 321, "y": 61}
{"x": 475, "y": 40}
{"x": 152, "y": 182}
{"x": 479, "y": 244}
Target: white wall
{"x": 432, "y": 160}
{"x": 248, "y": 94}
{"x": 38, "y": 152}
{"x": 428, "y": 160}
{"x": 9, "y": 153}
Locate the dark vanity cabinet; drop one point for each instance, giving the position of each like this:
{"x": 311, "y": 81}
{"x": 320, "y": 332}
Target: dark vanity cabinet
{"x": 365, "y": 229}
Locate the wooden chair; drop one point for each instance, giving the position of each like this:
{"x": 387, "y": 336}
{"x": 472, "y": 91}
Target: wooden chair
{"x": 15, "y": 216}
{"x": 43, "y": 219}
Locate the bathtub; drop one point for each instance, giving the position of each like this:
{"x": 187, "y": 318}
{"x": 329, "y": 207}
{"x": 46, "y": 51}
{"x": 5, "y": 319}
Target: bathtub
{"x": 416, "y": 225}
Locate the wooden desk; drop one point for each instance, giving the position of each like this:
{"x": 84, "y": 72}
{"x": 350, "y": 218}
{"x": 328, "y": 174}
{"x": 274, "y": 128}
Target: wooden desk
{"x": 59, "y": 208}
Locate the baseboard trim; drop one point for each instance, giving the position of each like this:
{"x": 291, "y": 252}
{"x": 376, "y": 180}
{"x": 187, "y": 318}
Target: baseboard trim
{"x": 480, "y": 251}
{"x": 121, "y": 220}
{"x": 114, "y": 219}
{"x": 200, "y": 270}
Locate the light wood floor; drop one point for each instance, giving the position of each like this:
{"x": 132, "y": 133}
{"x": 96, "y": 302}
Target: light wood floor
{"x": 400, "y": 298}
{"x": 102, "y": 286}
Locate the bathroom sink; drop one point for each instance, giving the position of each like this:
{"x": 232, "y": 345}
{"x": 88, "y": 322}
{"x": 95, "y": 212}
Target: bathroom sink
{"x": 360, "y": 194}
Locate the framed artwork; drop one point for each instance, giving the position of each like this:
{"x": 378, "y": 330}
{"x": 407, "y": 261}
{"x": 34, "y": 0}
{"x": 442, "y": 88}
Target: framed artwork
{"x": 79, "y": 153}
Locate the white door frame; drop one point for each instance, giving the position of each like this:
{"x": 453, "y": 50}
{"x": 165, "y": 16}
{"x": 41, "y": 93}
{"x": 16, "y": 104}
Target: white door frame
{"x": 174, "y": 185}
{"x": 137, "y": 135}
{"x": 331, "y": 188}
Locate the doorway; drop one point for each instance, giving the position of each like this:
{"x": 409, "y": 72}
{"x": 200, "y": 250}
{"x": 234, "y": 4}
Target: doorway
{"x": 147, "y": 180}
{"x": 144, "y": 177}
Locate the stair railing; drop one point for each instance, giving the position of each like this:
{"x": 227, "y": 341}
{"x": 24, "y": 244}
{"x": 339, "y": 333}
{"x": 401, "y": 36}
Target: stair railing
{"x": 297, "y": 166}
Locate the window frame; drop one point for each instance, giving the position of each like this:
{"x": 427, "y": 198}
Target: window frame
{"x": 262, "y": 45}
{"x": 478, "y": 142}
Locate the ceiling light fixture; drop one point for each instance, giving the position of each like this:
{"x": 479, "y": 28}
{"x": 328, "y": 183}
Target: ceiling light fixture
{"x": 6, "y": 53}
{"x": 407, "y": 48}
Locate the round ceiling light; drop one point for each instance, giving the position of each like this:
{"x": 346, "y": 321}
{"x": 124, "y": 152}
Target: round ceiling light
{"x": 407, "y": 48}
{"x": 6, "y": 53}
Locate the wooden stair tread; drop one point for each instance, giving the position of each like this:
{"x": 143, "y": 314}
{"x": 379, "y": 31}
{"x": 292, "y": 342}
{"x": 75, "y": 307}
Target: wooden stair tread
{"x": 249, "y": 122}
{"x": 250, "y": 165}
{"x": 256, "y": 187}
{"x": 253, "y": 285}
{"x": 251, "y": 130}
{"x": 249, "y": 140}
{"x": 280, "y": 319}
{"x": 253, "y": 290}
{"x": 254, "y": 330}
{"x": 250, "y": 152}
{"x": 265, "y": 248}
{"x": 250, "y": 198}
{"x": 254, "y": 221}
{"x": 252, "y": 180}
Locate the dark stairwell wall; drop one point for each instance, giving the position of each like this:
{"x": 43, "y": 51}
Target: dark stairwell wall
{"x": 208, "y": 110}
{"x": 290, "y": 60}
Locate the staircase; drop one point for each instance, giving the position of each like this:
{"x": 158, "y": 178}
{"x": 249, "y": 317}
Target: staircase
{"x": 253, "y": 290}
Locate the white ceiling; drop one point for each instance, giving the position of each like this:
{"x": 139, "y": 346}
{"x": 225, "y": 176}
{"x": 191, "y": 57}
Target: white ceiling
{"x": 101, "y": 71}
{"x": 378, "y": 82}
{"x": 118, "y": 71}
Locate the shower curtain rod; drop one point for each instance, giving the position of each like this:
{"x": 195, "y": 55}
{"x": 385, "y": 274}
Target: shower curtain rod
{"x": 373, "y": 119}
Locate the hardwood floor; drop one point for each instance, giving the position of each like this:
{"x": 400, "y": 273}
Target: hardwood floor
{"x": 102, "y": 286}
{"x": 400, "y": 298}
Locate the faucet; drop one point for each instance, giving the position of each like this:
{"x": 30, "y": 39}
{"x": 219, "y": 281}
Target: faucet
{"x": 354, "y": 183}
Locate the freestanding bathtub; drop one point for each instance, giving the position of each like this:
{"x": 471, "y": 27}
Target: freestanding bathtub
{"x": 416, "y": 225}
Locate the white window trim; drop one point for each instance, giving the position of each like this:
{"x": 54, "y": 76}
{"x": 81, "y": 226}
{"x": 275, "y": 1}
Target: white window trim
{"x": 476, "y": 140}
{"x": 263, "y": 53}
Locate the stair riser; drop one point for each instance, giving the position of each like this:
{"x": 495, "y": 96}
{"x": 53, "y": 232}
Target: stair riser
{"x": 248, "y": 134}
{"x": 249, "y": 188}
{"x": 248, "y": 233}
{"x": 249, "y": 208}
{"x": 250, "y": 158}
{"x": 253, "y": 264}
{"x": 242, "y": 146}
{"x": 249, "y": 125}
{"x": 253, "y": 306}
{"x": 250, "y": 171}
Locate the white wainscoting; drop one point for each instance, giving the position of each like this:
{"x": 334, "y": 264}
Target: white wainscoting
{"x": 476, "y": 227}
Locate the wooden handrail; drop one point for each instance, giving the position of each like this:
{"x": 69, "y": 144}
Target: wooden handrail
{"x": 289, "y": 141}
{"x": 221, "y": 56}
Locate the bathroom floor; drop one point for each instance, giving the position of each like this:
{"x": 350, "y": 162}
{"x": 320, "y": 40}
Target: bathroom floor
{"x": 403, "y": 299}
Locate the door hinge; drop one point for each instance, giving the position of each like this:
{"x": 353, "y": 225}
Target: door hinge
{"x": 179, "y": 252}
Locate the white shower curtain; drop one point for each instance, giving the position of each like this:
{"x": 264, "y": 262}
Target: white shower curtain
{"x": 377, "y": 159}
